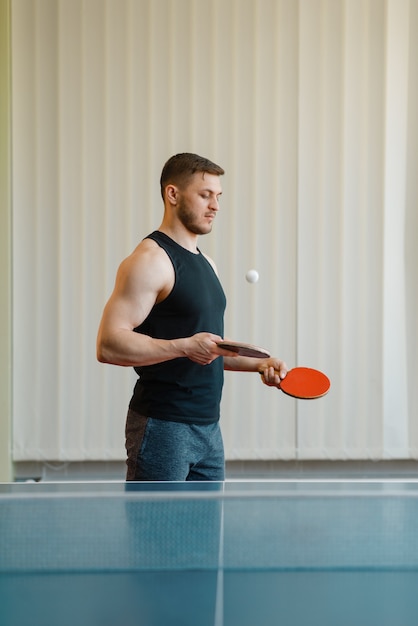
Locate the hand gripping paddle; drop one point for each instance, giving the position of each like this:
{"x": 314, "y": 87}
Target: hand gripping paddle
{"x": 244, "y": 349}
{"x": 305, "y": 383}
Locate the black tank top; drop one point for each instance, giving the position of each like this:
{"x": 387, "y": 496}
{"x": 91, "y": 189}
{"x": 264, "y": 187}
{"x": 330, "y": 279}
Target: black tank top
{"x": 180, "y": 390}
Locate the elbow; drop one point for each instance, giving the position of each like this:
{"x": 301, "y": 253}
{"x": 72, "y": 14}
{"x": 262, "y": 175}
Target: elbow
{"x": 103, "y": 354}
{"x": 100, "y": 355}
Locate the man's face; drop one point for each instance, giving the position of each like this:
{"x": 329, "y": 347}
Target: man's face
{"x": 198, "y": 203}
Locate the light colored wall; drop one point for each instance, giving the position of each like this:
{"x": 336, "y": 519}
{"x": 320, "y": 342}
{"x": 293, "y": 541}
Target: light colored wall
{"x": 311, "y": 107}
{"x": 5, "y": 248}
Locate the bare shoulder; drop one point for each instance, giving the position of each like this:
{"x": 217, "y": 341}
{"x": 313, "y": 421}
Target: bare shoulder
{"x": 143, "y": 279}
{"x": 149, "y": 251}
{"x": 147, "y": 268}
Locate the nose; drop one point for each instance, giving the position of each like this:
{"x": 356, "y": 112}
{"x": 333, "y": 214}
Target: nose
{"x": 214, "y": 204}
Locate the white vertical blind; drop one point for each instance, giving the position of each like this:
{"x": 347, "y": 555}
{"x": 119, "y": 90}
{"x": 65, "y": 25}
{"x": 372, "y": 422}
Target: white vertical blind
{"x": 311, "y": 106}
{"x": 394, "y": 213}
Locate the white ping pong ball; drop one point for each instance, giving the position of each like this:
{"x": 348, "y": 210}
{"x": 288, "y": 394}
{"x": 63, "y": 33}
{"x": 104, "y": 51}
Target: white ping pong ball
{"x": 252, "y": 276}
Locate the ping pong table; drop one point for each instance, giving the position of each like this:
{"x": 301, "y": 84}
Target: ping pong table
{"x": 254, "y": 553}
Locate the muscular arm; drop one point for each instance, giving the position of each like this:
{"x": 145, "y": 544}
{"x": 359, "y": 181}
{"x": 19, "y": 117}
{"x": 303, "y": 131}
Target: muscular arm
{"x": 143, "y": 279}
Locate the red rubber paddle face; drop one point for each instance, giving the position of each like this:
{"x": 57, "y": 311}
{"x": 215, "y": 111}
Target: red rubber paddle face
{"x": 305, "y": 383}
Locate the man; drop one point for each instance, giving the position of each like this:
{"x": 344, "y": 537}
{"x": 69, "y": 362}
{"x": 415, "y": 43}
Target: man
{"x": 164, "y": 318}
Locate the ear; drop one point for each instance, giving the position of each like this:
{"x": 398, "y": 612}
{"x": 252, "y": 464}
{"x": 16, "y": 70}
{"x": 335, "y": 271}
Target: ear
{"x": 171, "y": 193}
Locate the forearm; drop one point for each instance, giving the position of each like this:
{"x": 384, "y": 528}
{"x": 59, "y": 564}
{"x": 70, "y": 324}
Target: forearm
{"x": 130, "y": 349}
{"x": 244, "y": 364}
{"x": 273, "y": 370}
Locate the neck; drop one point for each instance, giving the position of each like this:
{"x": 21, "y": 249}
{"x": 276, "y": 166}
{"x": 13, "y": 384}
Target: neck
{"x": 183, "y": 237}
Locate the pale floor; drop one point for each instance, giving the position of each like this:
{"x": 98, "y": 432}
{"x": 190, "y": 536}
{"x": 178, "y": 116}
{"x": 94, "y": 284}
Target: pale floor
{"x": 235, "y": 470}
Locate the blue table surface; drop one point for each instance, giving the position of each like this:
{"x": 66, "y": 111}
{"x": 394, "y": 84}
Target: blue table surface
{"x": 256, "y": 553}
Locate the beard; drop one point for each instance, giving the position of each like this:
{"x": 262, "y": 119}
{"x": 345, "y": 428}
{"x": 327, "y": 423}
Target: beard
{"x": 188, "y": 218}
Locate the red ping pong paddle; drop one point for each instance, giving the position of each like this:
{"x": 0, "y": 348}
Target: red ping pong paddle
{"x": 305, "y": 383}
{"x": 244, "y": 349}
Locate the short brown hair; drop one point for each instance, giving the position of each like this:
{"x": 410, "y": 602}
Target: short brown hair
{"x": 181, "y": 167}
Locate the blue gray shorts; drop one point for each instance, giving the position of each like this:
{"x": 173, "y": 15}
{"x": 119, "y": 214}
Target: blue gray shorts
{"x": 172, "y": 451}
